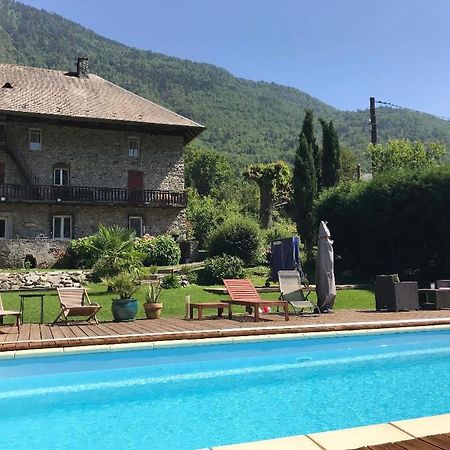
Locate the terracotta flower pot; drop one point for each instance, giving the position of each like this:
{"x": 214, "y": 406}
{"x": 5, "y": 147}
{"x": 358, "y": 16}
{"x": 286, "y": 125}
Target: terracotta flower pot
{"x": 153, "y": 310}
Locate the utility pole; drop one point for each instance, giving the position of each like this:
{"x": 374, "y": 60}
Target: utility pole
{"x": 373, "y": 122}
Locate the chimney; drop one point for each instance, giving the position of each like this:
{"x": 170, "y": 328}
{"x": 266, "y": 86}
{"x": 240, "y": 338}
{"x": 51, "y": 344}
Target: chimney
{"x": 83, "y": 68}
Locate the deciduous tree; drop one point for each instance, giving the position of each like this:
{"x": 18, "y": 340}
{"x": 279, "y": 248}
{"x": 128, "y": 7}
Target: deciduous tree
{"x": 274, "y": 182}
{"x": 405, "y": 154}
{"x": 206, "y": 170}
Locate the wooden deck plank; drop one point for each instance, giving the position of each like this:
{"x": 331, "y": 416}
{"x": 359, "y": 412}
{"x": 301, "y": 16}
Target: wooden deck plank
{"x": 68, "y": 333}
{"x": 387, "y": 446}
{"x": 105, "y": 330}
{"x": 24, "y": 334}
{"x": 416, "y": 444}
{"x": 436, "y": 442}
{"x": 122, "y": 327}
{"x": 11, "y": 334}
{"x": 171, "y": 328}
{"x": 440, "y": 440}
{"x": 78, "y": 331}
{"x": 35, "y": 335}
{"x": 152, "y": 326}
{"x": 111, "y": 329}
{"x": 91, "y": 330}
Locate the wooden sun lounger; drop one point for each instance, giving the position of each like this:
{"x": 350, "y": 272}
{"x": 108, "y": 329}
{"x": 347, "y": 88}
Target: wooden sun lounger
{"x": 76, "y": 302}
{"x": 242, "y": 292}
{"x": 5, "y": 312}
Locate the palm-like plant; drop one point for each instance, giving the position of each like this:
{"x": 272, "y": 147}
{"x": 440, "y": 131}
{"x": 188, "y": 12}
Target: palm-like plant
{"x": 116, "y": 252}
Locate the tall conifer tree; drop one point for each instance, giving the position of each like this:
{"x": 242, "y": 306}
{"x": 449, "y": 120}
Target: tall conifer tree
{"x": 305, "y": 191}
{"x": 331, "y": 156}
{"x": 308, "y": 130}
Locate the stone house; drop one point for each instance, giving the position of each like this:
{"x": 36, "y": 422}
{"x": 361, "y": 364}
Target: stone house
{"x": 77, "y": 151}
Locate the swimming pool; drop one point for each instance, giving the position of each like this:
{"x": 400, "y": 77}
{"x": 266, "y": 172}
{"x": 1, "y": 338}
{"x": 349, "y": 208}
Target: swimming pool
{"x": 200, "y": 396}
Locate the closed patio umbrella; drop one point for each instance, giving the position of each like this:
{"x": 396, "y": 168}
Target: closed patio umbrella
{"x": 325, "y": 283}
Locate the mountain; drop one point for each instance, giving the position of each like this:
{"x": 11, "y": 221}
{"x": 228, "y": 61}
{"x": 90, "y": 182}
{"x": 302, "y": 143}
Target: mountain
{"x": 249, "y": 121}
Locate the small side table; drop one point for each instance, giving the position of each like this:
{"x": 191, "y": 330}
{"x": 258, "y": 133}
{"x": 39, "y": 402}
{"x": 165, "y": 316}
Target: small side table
{"x": 22, "y": 304}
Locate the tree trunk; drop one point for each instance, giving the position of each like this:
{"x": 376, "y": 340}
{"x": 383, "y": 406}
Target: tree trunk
{"x": 266, "y": 205}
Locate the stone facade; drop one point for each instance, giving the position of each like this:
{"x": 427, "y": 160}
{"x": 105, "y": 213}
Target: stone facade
{"x": 98, "y": 157}
{"x": 12, "y": 174}
{"x": 95, "y": 158}
{"x": 35, "y": 221}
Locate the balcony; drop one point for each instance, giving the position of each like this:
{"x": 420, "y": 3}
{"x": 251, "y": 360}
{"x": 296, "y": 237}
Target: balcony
{"x": 16, "y": 193}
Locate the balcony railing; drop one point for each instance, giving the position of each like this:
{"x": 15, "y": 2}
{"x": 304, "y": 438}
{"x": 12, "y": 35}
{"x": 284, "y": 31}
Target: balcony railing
{"x": 90, "y": 195}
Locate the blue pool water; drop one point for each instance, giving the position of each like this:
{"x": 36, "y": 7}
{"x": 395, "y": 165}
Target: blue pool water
{"x": 195, "y": 397}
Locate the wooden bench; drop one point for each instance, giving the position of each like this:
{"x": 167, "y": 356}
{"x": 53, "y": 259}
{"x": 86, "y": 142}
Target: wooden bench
{"x": 201, "y": 306}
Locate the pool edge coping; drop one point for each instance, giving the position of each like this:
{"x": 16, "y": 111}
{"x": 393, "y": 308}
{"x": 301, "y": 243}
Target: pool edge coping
{"x": 190, "y": 342}
{"x": 353, "y": 438}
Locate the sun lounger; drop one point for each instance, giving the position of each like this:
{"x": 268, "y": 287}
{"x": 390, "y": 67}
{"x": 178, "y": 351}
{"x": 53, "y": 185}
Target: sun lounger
{"x": 5, "y": 312}
{"x": 75, "y": 302}
{"x": 291, "y": 291}
{"x": 242, "y": 292}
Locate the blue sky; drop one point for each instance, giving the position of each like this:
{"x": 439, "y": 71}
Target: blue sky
{"x": 340, "y": 51}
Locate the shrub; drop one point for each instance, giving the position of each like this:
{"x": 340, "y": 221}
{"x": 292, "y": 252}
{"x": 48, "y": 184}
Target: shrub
{"x": 221, "y": 267}
{"x": 87, "y": 251}
{"x": 203, "y": 215}
{"x": 163, "y": 250}
{"x": 239, "y": 237}
{"x": 398, "y": 223}
{"x": 189, "y": 274}
{"x": 170, "y": 281}
{"x": 123, "y": 284}
{"x": 83, "y": 252}
{"x": 279, "y": 230}
{"x": 116, "y": 253}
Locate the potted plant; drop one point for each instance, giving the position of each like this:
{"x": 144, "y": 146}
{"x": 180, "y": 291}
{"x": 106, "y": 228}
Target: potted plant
{"x": 151, "y": 306}
{"x": 125, "y": 307}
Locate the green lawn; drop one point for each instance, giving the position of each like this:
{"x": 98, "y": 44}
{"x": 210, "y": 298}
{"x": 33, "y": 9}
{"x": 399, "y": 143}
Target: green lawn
{"x": 173, "y": 300}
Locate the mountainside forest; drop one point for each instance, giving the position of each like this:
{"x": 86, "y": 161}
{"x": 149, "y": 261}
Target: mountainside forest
{"x": 250, "y": 121}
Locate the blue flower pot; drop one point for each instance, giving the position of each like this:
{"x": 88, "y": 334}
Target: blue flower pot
{"x": 124, "y": 309}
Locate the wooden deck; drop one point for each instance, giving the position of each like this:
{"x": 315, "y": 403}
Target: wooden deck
{"x": 437, "y": 442}
{"x": 36, "y": 336}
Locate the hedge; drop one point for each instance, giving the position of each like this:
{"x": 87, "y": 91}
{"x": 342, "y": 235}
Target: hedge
{"x": 396, "y": 223}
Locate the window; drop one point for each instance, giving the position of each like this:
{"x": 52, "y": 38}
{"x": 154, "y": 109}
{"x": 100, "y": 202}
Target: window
{"x": 2, "y": 228}
{"x": 62, "y": 227}
{"x": 135, "y": 223}
{"x": 133, "y": 147}
{"x": 35, "y": 139}
{"x": 60, "y": 176}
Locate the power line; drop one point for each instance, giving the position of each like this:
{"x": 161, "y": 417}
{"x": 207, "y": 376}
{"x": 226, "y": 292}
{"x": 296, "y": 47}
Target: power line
{"x": 392, "y": 105}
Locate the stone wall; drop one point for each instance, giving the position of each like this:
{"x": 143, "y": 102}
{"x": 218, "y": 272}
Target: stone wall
{"x": 31, "y": 221}
{"x": 12, "y": 174}
{"x": 46, "y": 252}
{"x": 99, "y": 157}
{"x": 42, "y": 280}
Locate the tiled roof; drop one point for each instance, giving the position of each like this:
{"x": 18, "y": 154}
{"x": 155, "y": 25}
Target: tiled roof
{"x": 57, "y": 93}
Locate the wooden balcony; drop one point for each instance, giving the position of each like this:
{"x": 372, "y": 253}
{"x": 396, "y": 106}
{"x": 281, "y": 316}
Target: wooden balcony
{"x": 16, "y": 193}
